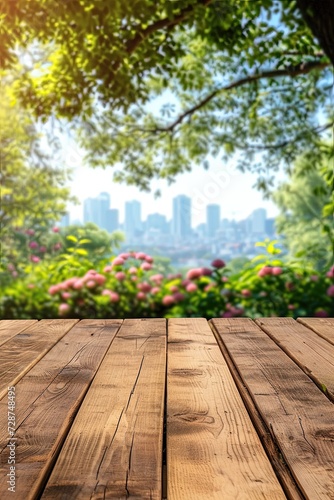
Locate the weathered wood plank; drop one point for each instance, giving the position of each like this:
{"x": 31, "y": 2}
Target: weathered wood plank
{"x": 19, "y": 354}
{"x": 47, "y": 399}
{"x": 283, "y": 473}
{"x": 299, "y": 416}
{"x": 313, "y": 354}
{"x": 213, "y": 450}
{"x": 11, "y": 327}
{"x": 114, "y": 448}
{"x": 321, "y": 326}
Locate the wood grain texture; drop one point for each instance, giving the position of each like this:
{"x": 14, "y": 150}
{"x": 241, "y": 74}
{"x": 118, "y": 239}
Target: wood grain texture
{"x": 283, "y": 473}
{"x": 313, "y": 354}
{"x": 213, "y": 450}
{"x": 114, "y": 448}
{"x": 321, "y": 326}
{"x": 47, "y": 399}
{"x": 299, "y": 416}
{"x": 11, "y": 327}
{"x": 19, "y": 354}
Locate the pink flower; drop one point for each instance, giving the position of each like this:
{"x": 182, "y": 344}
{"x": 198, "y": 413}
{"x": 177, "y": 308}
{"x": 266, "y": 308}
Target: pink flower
{"x": 140, "y": 255}
{"x": 120, "y": 276}
{"x": 42, "y": 249}
{"x": 91, "y": 272}
{"x": 224, "y": 279}
{"x": 144, "y": 287}
{"x": 34, "y": 258}
{"x": 118, "y": 261}
{"x": 264, "y": 271}
{"x": 185, "y": 282}
{"x": 209, "y": 287}
{"x": 53, "y": 289}
{"x": 246, "y": 293}
{"x": 90, "y": 284}
{"x": 107, "y": 269}
{"x": 237, "y": 311}
{"x": 149, "y": 259}
{"x": 157, "y": 278}
{"x": 206, "y": 271}
{"x": 114, "y": 297}
{"x": 31, "y": 285}
{"x": 11, "y": 267}
{"x": 55, "y": 229}
{"x": 155, "y": 290}
{"x": 276, "y": 271}
{"x": 174, "y": 288}
{"x": 78, "y": 284}
{"x": 141, "y": 296}
{"x": 146, "y": 266}
{"x": 178, "y": 297}
{"x": 15, "y": 274}
{"x": 218, "y": 263}
{"x": 70, "y": 282}
{"x": 66, "y": 295}
{"x": 33, "y": 244}
{"x": 133, "y": 270}
{"x": 124, "y": 255}
{"x": 321, "y": 313}
{"x": 30, "y": 232}
{"x": 168, "y": 300}
{"x": 63, "y": 309}
{"x": 193, "y": 274}
{"x": 314, "y": 277}
{"x": 330, "y": 273}
{"x": 291, "y": 307}
{"x": 191, "y": 287}
{"x": 330, "y": 291}
{"x": 227, "y": 314}
{"x": 100, "y": 279}
{"x": 57, "y": 246}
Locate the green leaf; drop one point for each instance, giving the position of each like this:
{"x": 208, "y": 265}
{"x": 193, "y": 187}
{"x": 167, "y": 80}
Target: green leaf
{"x": 73, "y": 238}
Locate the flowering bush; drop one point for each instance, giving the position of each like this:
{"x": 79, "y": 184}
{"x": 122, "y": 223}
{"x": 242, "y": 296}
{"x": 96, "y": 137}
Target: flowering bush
{"x": 129, "y": 285}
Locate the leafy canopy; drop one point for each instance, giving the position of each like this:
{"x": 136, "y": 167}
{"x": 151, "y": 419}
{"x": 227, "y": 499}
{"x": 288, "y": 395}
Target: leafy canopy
{"x": 161, "y": 85}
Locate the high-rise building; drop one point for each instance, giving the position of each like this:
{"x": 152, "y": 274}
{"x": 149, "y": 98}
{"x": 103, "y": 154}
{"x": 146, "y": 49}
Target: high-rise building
{"x": 181, "y": 222}
{"x": 96, "y": 210}
{"x": 113, "y": 220}
{"x": 132, "y": 220}
{"x": 258, "y": 221}
{"x": 103, "y": 210}
{"x": 212, "y": 220}
{"x": 157, "y": 221}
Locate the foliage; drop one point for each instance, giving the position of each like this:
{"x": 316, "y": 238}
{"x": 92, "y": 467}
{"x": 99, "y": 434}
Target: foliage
{"x": 129, "y": 286}
{"x": 306, "y": 215}
{"x": 33, "y": 192}
{"x": 227, "y": 75}
{"x": 60, "y": 248}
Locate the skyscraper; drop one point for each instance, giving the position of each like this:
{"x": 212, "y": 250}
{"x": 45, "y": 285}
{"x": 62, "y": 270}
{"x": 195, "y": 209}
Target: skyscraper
{"x": 181, "y": 222}
{"x": 96, "y": 210}
{"x": 132, "y": 221}
{"x": 212, "y": 219}
{"x": 258, "y": 221}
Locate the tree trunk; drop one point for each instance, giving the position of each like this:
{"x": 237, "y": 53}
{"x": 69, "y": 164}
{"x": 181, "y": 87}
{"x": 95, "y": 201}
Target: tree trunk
{"x": 319, "y": 16}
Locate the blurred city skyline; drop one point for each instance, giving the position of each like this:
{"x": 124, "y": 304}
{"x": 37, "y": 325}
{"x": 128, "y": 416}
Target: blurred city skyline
{"x": 232, "y": 190}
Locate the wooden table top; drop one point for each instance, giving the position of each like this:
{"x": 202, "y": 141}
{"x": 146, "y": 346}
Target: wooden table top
{"x": 178, "y": 409}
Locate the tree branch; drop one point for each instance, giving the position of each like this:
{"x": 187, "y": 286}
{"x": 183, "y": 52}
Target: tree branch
{"x": 131, "y": 45}
{"x": 293, "y": 71}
